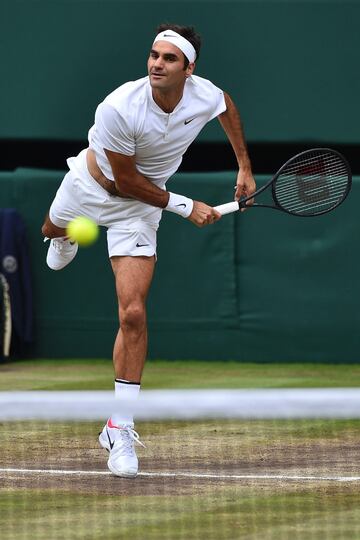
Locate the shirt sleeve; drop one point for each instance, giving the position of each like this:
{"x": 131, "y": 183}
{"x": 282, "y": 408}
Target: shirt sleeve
{"x": 113, "y": 130}
{"x": 219, "y": 103}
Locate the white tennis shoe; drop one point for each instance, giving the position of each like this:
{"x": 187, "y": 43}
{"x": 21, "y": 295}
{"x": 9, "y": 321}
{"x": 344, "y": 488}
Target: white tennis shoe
{"x": 120, "y": 442}
{"x": 60, "y": 253}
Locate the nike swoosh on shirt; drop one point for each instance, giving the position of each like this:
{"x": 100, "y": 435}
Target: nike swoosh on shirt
{"x": 188, "y": 121}
{"x": 141, "y": 245}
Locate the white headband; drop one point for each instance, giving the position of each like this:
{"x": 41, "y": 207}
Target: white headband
{"x": 183, "y": 44}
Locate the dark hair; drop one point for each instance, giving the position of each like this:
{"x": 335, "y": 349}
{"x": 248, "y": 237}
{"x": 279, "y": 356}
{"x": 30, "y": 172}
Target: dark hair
{"x": 188, "y": 32}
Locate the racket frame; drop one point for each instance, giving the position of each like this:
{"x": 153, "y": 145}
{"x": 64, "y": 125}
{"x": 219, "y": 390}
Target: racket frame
{"x": 241, "y": 204}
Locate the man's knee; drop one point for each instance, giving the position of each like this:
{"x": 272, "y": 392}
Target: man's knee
{"x": 133, "y": 317}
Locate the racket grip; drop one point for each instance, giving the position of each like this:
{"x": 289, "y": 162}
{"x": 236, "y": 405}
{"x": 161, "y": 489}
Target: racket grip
{"x": 227, "y": 208}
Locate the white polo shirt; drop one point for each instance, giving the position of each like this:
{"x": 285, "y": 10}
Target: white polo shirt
{"x": 129, "y": 122}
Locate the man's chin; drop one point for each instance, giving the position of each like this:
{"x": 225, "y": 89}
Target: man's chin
{"x": 156, "y": 83}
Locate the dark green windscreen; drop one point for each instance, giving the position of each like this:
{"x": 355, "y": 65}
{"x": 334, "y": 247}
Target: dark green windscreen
{"x": 259, "y": 286}
{"x": 291, "y": 66}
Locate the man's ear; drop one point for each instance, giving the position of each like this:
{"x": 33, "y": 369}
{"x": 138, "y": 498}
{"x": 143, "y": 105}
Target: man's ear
{"x": 190, "y": 69}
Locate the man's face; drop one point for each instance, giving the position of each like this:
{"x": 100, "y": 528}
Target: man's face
{"x": 166, "y": 66}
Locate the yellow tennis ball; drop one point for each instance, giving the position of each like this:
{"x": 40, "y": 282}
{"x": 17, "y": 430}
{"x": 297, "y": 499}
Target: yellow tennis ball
{"x": 82, "y": 230}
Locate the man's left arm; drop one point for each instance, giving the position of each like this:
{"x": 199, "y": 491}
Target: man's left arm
{"x": 231, "y": 123}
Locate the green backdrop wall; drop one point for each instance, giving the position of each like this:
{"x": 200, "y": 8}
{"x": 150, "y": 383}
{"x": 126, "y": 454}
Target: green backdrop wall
{"x": 259, "y": 286}
{"x": 291, "y": 66}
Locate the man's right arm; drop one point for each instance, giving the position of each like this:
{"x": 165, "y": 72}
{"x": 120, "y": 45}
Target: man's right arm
{"x": 130, "y": 183}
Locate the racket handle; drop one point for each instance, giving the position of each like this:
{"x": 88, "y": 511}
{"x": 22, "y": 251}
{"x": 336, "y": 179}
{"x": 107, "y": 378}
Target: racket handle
{"x": 227, "y": 208}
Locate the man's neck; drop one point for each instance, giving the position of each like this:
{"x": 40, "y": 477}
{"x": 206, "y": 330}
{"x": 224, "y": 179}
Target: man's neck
{"x": 167, "y": 101}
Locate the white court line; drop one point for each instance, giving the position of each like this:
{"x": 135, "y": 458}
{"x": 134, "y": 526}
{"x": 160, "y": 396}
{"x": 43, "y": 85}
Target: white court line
{"x": 189, "y": 475}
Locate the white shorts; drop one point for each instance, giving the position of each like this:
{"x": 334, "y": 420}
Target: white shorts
{"x": 131, "y": 225}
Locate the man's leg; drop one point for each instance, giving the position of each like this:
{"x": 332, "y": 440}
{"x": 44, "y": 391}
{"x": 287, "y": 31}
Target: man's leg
{"x": 50, "y": 230}
{"x": 70, "y": 201}
{"x": 133, "y": 276}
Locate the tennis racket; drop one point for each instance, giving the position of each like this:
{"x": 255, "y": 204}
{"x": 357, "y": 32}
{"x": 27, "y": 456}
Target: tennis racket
{"x": 311, "y": 183}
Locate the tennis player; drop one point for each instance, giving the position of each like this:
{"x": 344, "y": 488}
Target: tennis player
{"x": 140, "y": 133}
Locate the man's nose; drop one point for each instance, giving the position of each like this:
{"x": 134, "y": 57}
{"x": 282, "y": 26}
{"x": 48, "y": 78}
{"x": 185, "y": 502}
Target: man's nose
{"x": 158, "y": 62}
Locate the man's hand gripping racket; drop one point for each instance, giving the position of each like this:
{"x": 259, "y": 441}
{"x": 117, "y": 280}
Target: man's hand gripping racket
{"x": 311, "y": 183}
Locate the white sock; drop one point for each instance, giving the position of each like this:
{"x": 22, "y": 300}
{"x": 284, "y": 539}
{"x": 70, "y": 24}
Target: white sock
{"x": 126, "y": 394}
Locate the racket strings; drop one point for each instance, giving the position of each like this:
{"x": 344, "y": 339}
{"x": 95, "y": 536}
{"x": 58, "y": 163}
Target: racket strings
{"x": 312, "y": 185}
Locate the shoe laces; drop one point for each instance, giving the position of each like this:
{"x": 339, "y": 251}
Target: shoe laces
{"x": 129, "y": 436}
{"x": 60, "y": 244}
{"x": 57, "y": 245}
